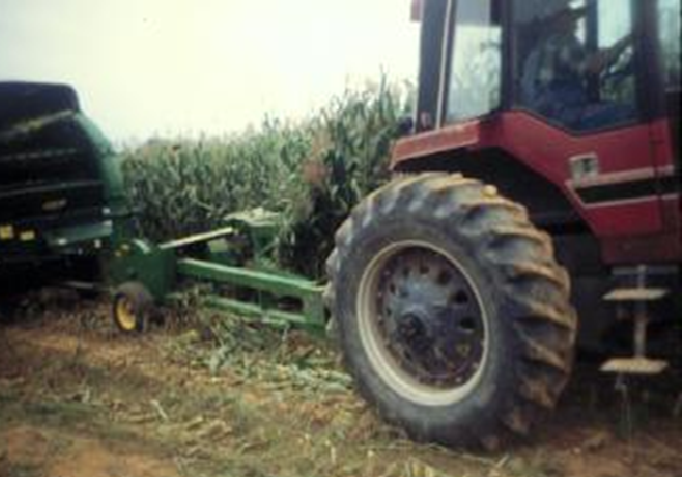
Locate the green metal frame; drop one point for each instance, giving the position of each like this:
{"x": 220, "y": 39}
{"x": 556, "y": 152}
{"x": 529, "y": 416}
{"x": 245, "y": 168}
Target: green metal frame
{"x": 271, "y": 287}
{"x": 138, "y": 260}
{"x": 161, "y": 268}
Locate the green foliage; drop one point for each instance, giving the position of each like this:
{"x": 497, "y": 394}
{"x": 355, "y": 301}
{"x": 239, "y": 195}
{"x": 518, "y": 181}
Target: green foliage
{"x": 313, "y": 172}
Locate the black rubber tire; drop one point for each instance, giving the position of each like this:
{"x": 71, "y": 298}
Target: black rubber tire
{"x": 141, "y": 302}
{"x": 531, "y": 324}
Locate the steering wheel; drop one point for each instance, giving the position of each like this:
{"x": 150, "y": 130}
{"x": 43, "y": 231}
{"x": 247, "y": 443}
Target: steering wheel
{"x": 619, "y": 69}
{"x": 619, "y": 64}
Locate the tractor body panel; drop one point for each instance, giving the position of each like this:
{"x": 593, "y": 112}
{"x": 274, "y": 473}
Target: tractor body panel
{"x": 631, "y": 206}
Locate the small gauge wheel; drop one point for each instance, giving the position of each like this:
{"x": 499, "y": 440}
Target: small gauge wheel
{"x": 131, "y": 307}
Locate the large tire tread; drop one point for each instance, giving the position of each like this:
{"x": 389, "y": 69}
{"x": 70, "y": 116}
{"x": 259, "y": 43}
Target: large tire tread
{"x": 535, "y": 287}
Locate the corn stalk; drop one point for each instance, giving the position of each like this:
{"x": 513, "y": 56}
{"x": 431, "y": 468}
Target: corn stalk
{"x": 313, "y": 172}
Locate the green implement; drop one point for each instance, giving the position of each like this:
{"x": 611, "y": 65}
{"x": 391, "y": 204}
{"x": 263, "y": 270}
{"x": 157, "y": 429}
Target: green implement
{"x": 249, "y": 286}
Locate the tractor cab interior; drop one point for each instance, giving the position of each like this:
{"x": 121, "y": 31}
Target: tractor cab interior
{"x": 574, "y": 62}
{"x": 581, "y": 65}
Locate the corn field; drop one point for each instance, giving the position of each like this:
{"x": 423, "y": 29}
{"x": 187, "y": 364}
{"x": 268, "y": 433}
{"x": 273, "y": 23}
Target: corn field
{"x": 312, "y": 172}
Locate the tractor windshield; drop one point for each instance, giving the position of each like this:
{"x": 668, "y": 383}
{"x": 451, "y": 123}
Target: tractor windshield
{"x": 474, "y": 86}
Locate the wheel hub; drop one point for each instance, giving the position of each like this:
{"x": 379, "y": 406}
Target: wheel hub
{"x": 125, "y": 314}
{"x": 414, "y": 323}
{"x": 429, "y": 319}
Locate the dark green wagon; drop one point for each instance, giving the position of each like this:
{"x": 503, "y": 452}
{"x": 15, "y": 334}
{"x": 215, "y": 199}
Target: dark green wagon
{"x": 60, "y": 189}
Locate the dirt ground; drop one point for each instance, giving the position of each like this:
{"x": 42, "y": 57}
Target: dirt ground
{"x": 77, "y": 399}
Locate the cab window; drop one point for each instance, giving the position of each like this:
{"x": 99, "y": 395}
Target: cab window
{"x": 669, "y": 39}
{"x": 575, "y": 62}
{"x": 474, "y": 87}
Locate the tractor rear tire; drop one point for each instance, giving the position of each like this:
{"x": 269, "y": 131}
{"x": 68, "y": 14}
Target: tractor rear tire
{"x": 131, "y": 308}
{"x": 453, "y": 315}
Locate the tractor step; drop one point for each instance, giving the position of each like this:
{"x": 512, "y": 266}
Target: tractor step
{"x": 641, "y": 366}
{"x": 634, "y": 302}
{"x": 636, "y": 294}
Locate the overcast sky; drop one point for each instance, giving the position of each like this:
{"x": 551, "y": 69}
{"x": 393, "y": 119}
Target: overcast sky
{"x": 145, "y": 67}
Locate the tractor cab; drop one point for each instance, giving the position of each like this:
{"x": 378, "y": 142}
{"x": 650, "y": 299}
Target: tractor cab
{"x": 580, "y": 65}
{"x": 570, "y": 107}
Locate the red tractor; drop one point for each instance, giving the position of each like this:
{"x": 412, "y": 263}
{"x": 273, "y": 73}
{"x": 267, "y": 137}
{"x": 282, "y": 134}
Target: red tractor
{"x": 536, "y": 206}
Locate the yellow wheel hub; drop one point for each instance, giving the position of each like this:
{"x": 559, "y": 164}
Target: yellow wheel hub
{"x": 125, "y": 314}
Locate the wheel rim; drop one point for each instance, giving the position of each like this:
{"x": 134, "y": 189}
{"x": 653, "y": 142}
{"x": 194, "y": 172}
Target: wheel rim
{"x": 423, "y": 323}
{"x": 125, "y": 314}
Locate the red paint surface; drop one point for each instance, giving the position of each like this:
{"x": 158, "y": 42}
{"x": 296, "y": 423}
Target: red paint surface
{"x": 630, "y": 232}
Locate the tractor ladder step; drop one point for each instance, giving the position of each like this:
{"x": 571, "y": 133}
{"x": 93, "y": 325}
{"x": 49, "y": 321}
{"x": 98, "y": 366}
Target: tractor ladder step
{"x": 636, "y": 294}
{"x": 633, "y": 303}
{"x": 642, "y": 366}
